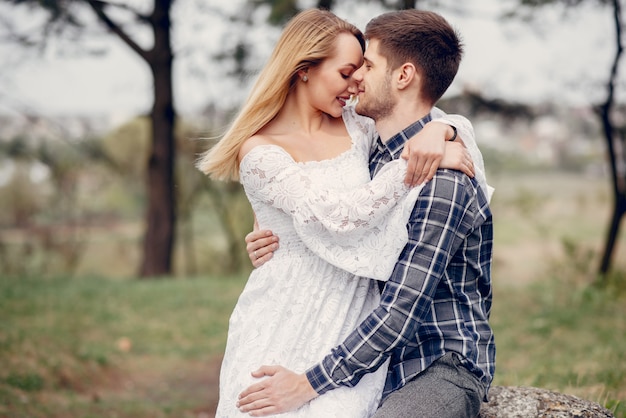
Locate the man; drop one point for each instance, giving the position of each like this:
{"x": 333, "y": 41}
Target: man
{"x": 432, "y": 321}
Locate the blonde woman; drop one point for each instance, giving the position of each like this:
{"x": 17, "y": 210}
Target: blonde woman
{"x": 302, "y": 157}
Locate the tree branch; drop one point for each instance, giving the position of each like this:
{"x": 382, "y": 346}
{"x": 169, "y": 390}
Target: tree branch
{"x": 140, "y": 16}
{"x": 98, "y": 7}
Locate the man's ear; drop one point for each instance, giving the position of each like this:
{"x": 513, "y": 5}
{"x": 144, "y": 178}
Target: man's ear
{"x": 406, "y": 75}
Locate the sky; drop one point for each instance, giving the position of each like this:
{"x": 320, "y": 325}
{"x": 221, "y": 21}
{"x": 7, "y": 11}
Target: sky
{"x": 557, "y": 57}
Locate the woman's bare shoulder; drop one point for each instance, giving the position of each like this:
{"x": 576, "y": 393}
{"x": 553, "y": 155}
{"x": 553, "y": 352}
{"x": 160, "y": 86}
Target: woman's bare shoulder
{"x": 252, "y": 142}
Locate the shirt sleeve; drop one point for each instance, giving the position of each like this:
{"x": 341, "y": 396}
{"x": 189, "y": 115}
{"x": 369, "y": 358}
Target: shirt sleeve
{"x": 361, "y": 230}
{"x": 436, "y": 229}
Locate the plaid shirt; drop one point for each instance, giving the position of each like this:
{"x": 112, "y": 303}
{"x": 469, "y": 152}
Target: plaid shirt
{"x": 438, "y": 298}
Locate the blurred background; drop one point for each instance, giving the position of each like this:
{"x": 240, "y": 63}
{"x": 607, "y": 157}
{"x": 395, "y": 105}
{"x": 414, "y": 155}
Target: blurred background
{"x": 120, "y": 262}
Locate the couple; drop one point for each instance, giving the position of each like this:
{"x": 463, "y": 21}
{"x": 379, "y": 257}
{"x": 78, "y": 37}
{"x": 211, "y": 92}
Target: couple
{"x": 305, "y": 161}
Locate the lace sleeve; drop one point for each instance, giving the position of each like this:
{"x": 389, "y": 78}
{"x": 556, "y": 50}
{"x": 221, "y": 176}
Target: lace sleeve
{"x": 360, "y": 127}
{"x": 465, "y": 131}
{"x": 362, "y": 230}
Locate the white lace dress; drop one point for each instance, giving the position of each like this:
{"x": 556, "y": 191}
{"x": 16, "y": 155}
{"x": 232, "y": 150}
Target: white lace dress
{"x": 333, "y": 224}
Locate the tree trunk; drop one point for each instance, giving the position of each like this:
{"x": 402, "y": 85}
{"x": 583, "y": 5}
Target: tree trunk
{"x": 325, "y": 4}
{"x": 617, "y": 161}
{"x": 161, "y": 210}
{"x": 619, "y": 209}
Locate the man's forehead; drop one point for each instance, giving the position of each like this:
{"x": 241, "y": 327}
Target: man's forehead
{"x": 372, "y": 45}
{"x": 371, "y": 52}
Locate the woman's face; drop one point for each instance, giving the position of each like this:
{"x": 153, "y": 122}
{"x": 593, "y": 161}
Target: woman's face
{"x": 331, "y": 84}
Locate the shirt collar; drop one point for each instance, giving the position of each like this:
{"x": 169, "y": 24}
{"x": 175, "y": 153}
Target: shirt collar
{"x": 395, "y": 145}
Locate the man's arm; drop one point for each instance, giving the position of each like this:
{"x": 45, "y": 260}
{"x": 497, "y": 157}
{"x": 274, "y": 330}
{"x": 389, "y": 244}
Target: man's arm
{"x": 436, "y": 230}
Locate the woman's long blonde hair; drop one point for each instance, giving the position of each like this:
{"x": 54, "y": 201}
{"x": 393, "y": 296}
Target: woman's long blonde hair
{"x": 306, "y": 41}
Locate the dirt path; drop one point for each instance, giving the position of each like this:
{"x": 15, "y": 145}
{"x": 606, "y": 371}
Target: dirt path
{"x": 187, "y": 389}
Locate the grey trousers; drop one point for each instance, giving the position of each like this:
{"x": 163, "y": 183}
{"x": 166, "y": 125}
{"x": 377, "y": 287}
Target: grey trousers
{"x": 446, "y": 389}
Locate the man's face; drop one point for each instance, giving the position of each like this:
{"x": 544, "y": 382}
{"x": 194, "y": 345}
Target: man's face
{"x": 374, "y": 84}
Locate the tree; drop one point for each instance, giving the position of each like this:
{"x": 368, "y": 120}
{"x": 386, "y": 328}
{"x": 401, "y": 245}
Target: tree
{"x": 41, "y": 197}
{"x": 282, "y": 10}
{"x": 161, "y": 209}
{"x": 63, "y": 16}
{"x": 614, "y": 136}
{"x": 613, "y": 129}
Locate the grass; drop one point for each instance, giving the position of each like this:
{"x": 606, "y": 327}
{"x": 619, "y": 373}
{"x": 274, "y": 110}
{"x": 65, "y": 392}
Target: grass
{"x": 101, "y": 347}
{"x": 563, "y": 336}
{"x": 554, "y": 329}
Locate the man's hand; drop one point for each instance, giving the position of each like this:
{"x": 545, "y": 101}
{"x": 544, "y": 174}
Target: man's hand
{"x": 261, "y": 245}
{"x": 281, "y": 392}
{"x": 424, "y": 152}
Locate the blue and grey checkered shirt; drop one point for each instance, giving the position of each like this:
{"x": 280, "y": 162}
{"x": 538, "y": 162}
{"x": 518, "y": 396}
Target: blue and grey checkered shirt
{"x": 438, "y": 298}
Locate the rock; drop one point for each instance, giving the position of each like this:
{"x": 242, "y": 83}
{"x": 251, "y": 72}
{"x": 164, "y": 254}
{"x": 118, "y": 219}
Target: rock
{"x": 528, "y": 402}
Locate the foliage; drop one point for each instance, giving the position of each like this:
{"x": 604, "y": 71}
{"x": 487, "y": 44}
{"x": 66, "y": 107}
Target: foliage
{"x": 610, "y": 118}
{"x": 117, "y": 182}
{"x": 43, "y": 191}
{"x": 210, "y": 213}
{"x": 568, "y": 3}
{"x": 73, "y": 18}
{"x": 128, "y": 148}
{"x": 90, "y": 184}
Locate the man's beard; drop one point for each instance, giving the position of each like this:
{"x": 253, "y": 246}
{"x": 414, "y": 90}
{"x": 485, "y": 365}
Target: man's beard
{"x": 380, "y": 104}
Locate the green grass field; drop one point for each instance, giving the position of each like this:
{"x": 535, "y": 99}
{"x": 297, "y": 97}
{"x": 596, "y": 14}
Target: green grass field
{"x": 109, "y": 347}
{"x": 99, "y": 347}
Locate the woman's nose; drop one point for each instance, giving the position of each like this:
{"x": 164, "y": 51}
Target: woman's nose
{"x": 353, "y": 87}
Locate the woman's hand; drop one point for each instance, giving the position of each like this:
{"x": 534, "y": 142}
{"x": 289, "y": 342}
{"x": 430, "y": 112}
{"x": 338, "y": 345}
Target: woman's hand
{"x": 425, "y": 151}
{"x": 457, "y": 157}
{"x": 261, "y": 245}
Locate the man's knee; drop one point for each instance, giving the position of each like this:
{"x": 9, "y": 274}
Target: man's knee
{"x": 445, "y": 389}
{"x": 447, "y": 401}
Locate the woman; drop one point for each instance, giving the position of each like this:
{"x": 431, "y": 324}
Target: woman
{"x": 302, "y": 157}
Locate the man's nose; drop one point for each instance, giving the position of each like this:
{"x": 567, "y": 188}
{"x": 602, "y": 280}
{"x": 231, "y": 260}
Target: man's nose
{"x": 358, "y": 75}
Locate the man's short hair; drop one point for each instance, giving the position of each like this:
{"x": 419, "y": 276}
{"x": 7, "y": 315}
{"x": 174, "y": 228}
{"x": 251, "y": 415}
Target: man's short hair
{"x": 424, "y": 39}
